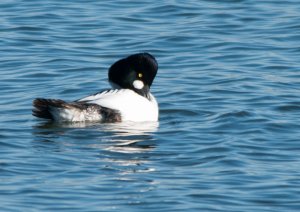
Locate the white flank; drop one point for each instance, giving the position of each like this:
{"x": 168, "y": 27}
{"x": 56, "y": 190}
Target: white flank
{"x": 132, "y": 106}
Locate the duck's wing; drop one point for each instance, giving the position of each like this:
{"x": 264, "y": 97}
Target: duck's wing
{"x": 102, "y": 95}
{"x": 61, "y": 111}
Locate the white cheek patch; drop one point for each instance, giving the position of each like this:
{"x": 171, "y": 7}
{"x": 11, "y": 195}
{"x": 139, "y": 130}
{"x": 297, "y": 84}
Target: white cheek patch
{"x": 138, "y": 84}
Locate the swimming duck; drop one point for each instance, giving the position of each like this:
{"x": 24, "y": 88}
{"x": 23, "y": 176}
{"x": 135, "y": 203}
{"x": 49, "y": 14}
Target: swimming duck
{"x": 129, "y": 99}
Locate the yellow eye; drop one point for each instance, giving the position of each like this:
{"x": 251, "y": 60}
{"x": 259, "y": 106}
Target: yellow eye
{"x": 140, "y": 75}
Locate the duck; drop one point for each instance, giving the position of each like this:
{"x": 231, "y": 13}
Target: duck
{"x": 128, "y": 99}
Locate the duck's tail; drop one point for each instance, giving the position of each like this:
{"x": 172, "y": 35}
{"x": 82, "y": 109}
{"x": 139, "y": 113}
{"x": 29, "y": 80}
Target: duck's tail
{"x": 59, "y": 110}
{"x": 42, "y": 107}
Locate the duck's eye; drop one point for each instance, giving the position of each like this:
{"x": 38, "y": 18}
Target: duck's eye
{"x": 140, "y": 75}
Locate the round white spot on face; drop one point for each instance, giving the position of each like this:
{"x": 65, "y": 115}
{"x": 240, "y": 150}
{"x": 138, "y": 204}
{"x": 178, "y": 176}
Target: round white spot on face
{"x": 138, "y": 84}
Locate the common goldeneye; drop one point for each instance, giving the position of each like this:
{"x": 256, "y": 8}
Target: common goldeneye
{"x": 128, "y": 100}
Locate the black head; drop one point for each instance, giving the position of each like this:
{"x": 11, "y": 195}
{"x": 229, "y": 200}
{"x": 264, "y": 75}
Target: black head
{"x": 135, "y": 72}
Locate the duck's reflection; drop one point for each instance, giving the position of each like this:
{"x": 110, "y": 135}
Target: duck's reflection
{"x": 122, "y": 150}
{"x": 126, "y": 137}
{"x": 126, "y": 134}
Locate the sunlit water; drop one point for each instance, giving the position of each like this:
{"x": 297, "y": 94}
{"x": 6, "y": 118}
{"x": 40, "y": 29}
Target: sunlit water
{"x": 228, "y": 86}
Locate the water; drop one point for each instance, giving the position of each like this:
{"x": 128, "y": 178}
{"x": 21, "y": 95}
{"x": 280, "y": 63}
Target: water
{"x": 229, "y": 93}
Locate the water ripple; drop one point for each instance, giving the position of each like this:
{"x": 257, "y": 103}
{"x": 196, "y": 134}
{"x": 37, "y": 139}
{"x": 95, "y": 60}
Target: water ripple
{"x": 227, "y": 87}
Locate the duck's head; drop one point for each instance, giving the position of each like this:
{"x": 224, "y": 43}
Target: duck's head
{"x": 135, "y": 72}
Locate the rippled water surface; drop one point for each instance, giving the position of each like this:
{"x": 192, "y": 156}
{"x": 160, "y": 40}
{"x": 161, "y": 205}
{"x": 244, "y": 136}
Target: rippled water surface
{"x": 228, "y": 86}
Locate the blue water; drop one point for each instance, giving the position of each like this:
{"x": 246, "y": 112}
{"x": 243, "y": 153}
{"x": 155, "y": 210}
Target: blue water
{"x": 228, "y": 86}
